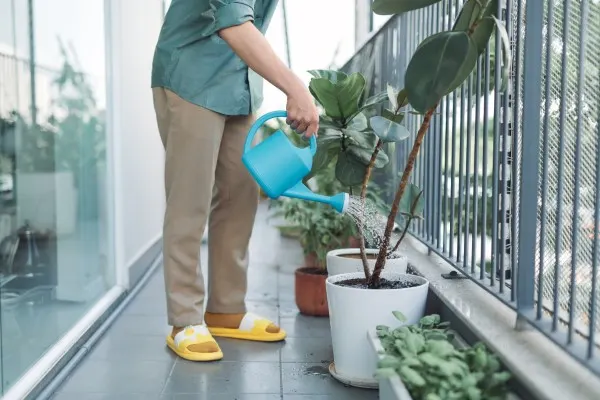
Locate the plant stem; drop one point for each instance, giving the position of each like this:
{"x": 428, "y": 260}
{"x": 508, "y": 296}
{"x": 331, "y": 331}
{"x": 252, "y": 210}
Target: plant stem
{"x": 363, "y": 198}
{"x": 410, "y": 164}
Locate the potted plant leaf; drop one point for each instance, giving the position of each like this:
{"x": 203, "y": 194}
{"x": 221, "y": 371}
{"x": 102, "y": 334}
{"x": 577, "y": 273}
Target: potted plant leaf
{"x": 427, "y": 361}
{"x": 440, "y": 64}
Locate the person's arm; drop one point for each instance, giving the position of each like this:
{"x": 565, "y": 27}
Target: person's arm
{"x": 254, "y": 49}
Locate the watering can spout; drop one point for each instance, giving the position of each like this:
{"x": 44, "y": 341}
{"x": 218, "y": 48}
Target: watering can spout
{"x": 339, "y": 202}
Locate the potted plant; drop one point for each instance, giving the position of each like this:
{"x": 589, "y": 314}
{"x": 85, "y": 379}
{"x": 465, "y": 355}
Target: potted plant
{"x": 441, "y": 63}
{"x": 427, "y": 361}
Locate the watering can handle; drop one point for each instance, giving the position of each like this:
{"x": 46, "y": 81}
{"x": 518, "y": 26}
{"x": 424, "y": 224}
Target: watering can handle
{"x": 260, "y": 122}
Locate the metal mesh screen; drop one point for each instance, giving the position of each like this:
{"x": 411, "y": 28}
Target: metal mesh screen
{"x": 570, "y": 111}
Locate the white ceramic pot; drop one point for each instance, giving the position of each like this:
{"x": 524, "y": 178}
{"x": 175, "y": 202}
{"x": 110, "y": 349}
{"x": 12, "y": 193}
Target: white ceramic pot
{"x": 353, "y": 312}
{"x": 338, "y": 264}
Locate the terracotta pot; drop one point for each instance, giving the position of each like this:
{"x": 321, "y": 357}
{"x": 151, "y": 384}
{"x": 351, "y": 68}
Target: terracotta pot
{"x": 311, "y": 261}
{"x": 311, "y": 296}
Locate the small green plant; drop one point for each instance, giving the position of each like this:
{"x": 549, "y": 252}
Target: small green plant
{"x": 433, "y": 368}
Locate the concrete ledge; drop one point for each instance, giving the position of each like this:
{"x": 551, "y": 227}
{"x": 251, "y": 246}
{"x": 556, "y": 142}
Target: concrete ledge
{"x": 541, "y": 366}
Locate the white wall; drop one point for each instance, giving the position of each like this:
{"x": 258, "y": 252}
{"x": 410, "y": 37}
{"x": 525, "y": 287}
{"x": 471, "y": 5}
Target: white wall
{"x": 138, "y": 156}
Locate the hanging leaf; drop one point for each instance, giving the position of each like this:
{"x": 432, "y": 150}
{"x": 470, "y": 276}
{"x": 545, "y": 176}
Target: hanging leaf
{"x": 362, "y": 139}
{"x": 468, "y": 65}
{"x": 399, "y": 316}
{"x": 358, "y": 123}
{"x": 412, "y": 204}
{"x": 331, "y": 75}
{"x": 364, "y": 156}
{"x": 392, "y": 94}
{"x": 402, "y": 98}
{"x": 468, "y": 15}
{"x": 327, "y": 148}
{"x": 374, "y": 100}
{"x": 388, "y": 114}
{"x": 388, "y": 131}
{"x": 327, "y": 123}
{"x": 339, "y": 99}
{"x": 506, "y": 55}
{"x": 482, "y": 33}
{"x": 435, "y": 66}
{"x": 348, "y": 170}
{"x": 491, "y": 9}
{"x": 390, "y": 7}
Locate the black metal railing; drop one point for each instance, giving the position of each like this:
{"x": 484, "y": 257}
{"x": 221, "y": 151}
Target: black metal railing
{"x": 511, "y": 179}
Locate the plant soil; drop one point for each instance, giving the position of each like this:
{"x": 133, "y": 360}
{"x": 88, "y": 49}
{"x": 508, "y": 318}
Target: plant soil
{"x": 357, "y": 256}
{"x": 360, "y": 283}
{"x": 369, "y": 256}
{"x": 313, "y": 270}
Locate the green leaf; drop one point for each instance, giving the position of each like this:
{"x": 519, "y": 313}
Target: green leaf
{"x": 327, "y": 123}
{"x": 469, "y": 64}
{"x": 506, "y": 55}
{"x": 388, "y": 114}
{"x": 399, "y": 316}
{"x": 402, "y": 98}
{"x": 411, "y": 376}
{"x": 392, "y": 95}
{"x": 361, "y": 139}
{"x": 374, "y": 100}
{"x": 482, "y": 33}
{"x": 412, "y": 203}
{"x": 331, "y": 75}
{"x": 388, "y": 131}
{"x": 358, "y": 123}
{"x": 339, "y": 99}
{"x": 385, "y": 373}
{"x": 434, "y": 67}
{"x": 364, "y": 155}
{"x": 327, "y": 147}
{"x": 389, "y": 7}
{"x": 348, "y": 170}
{"x": 490, "y": 9}
{"x": 468, "y": 15}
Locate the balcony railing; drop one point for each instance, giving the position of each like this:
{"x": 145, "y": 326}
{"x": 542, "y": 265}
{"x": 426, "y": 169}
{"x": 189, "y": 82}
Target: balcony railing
{"x": 511, "y": 179}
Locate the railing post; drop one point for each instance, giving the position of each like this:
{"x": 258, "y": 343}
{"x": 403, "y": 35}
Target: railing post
{"x": 532, "y": 97}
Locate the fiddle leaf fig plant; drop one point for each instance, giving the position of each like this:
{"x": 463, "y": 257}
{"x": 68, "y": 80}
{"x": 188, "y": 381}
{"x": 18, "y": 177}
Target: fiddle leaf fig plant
{"x": 432, "y": 367}
{"x": 441, "y": 63}
{"x": 345, "y": 134}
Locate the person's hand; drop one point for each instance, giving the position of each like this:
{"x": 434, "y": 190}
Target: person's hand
{"x": 302, "y": 114}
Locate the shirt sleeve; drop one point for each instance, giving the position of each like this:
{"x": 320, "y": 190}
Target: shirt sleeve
{"x": 226, "y": 13}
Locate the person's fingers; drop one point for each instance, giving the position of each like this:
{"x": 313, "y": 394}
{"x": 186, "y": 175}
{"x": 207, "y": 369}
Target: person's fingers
{"x": 312, "y": 129}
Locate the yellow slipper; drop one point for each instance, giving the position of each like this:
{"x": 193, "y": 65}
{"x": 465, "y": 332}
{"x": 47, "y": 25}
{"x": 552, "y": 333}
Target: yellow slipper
{"x": 191, "y": 335}
{"x": 252, "y": 327}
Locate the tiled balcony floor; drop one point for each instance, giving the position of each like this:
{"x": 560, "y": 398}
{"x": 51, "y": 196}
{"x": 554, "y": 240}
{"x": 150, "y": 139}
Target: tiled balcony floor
{"x": 132, "y": 361}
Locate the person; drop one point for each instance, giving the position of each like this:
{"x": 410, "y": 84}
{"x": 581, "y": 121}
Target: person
{"x": 207, "y": 71}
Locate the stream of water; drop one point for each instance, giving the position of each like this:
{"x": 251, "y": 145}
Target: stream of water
{"x": 369, "y": 219}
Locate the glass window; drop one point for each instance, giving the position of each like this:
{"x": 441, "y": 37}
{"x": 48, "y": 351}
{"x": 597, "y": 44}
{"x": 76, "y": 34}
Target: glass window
{"x": 54, "y": 241}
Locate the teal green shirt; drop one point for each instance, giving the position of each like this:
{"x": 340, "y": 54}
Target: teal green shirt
{"x": 194, "y": 62}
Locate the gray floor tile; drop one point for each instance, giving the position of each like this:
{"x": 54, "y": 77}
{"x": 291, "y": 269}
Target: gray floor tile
{"x": 141, "y": 325}
{"x": 224, "y": 378}
{"x": 147, "y": 306}
{"x": 242, "y": 350}
{"x": 303, "y": 326}
{"x": 226, "y": 396}
{"x": 307, "y": 350}
{"x": 106, "y": 396}
{"x": 314, "y": 379}
{"x": 132, "y": 347}
{"x": 134, "y": 376}
{"x": 359, "y": 395}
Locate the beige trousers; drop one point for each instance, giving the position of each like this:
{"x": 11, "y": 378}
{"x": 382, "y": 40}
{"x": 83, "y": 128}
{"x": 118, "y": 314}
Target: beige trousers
{"x": 205, "y": 181}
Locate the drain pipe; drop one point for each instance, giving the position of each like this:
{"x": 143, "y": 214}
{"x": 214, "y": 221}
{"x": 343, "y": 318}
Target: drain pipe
{"x": 54, "y": 385}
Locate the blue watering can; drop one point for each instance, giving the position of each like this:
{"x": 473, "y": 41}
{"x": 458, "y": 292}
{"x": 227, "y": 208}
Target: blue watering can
{"x": 279, "y": 167}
